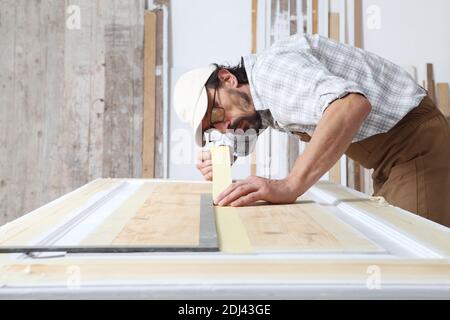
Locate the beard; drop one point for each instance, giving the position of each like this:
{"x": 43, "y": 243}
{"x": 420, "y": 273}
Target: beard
{"x": 245, "y": 104}
{"x": 247, "y": 122}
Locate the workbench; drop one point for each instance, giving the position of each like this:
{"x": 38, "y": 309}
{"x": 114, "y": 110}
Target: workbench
{"x": 159, "y": 239}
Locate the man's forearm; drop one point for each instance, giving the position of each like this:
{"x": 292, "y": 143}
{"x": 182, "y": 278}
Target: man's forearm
{"x": 333, "y": 135}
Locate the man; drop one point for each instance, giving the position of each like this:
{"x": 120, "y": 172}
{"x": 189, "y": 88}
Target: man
{"x": 342, "y": 100}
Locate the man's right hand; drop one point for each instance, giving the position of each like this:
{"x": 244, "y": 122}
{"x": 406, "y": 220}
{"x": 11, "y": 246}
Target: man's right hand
{"x": 204, "y": 164}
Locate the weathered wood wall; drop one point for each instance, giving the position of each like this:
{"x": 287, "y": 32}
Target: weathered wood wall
{"x": 71, "y": 100}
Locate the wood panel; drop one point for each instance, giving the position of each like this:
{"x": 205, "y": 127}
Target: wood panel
{"x": 124, "y": 89}
{"x": 54, "y": 150}
{"x": 333, "y": 26}
{"x": 304, "y": 226}
{"x": 155, "y": 214}
{"x": 315, "y": 16}
{"x": 355, "y": 178}
{"x": 430, "y": 82}
{"x": 358, "y": 24}
{"x": 443, "y": 98}
{"x": 71, "y": 101}
{"x": 166, "y": 219}
{"x": 97, "y": 89}
{"x": 74, "y": 135}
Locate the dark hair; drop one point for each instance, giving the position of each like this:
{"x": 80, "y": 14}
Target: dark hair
{"x": 238, "y": 71}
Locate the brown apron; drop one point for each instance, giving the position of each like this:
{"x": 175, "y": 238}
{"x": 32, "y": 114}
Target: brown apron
{"x": 411, "y": 162}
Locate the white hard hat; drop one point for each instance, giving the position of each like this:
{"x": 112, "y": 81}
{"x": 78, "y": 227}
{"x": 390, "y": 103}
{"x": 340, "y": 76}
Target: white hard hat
{"x": 191, "y": 99}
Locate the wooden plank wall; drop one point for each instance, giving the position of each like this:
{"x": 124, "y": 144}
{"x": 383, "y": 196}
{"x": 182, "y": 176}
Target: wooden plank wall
{"x": 71, "y": 100}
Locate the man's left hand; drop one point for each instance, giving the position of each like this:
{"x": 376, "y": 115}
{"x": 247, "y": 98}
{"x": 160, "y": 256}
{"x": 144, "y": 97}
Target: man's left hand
{"x": 253, "y": 189}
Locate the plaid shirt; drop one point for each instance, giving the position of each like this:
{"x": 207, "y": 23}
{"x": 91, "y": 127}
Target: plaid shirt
{"x": 297, "y": 78}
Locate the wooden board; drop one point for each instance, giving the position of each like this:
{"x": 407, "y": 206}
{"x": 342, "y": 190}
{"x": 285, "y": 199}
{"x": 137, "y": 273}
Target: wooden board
{"x": 358, "y": 24}
{"x": 148, "y": 154}
{"x": 333, "y": 26}
{"x": 164, "y": 219}
{"x": 165, "y": 214}
{"x": 443, "y": 98}
{"x": 430, "y": 82}
{"x": 354, "y": 175}
{"x": 304, "y": 226}
{"x": 221, "y": 161}
{"x": 102, "y": 9}
{"x": 315, "y": 16}
{"x": 124, "y": 42}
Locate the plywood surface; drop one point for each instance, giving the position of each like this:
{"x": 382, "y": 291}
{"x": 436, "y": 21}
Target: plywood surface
{"x": 156, "y": 214}
{"x": 304, "y": 226}
{"x": 166, "y": 219}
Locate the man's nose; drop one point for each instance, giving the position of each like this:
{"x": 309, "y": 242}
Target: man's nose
{"x": 222, "y": 126}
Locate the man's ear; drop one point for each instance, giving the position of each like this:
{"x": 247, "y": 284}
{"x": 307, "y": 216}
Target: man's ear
{"x": 227, "y": 79}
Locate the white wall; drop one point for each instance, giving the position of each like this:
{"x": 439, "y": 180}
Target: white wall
{"x": 412, "y": 32}
{"x": 204, "y": 32}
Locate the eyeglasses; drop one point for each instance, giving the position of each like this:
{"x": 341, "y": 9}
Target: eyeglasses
{"x": 217, "y": 114}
